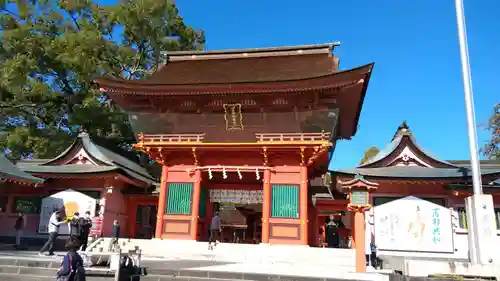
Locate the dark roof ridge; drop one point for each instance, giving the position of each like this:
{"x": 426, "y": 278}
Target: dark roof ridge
{"x": 306, "y": 47}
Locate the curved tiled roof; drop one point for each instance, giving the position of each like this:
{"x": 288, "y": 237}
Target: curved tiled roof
{"x": 380, "y": 166}
{"x": 409, "y": 172}
{"x": 244, "y": 65}
{"x": 108, "y": 160}
{"x": 402, "y": 137}
{"x": 9, "y": 171}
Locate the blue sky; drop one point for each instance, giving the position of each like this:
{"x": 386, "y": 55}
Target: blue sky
{"x": 414, "y": 45}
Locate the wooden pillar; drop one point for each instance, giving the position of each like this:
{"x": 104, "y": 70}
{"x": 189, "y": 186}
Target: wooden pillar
{"x": 303, "y": 199}
{"x": 353, "y": 224}
{"x": 209, "y": 207}
{"x": 266, "y": 206}
{"x": 359, "y": 237}
{"x": 317, "y": 226}
{"x": 132, "y": 216}
{"x": 162, "y": 201}
{"x": 195, "y": 208}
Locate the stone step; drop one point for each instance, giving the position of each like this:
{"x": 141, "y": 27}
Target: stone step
{"x": 239, "y": 253}
{"x": 10, "y": 277}
{"x": 176, "y": 275}
{"x": 157, "y": 270}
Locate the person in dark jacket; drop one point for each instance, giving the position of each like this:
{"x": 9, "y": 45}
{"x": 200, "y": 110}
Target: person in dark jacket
{"x": 85, "y": 226}
{"x": 75, "y": 228}
{"x": 19, "y": 227}
{"x": 115, "y": 236}
{"x": 72, "y": 261}
{"x": 332, "y": 231}
{"x": 215, "y": 229}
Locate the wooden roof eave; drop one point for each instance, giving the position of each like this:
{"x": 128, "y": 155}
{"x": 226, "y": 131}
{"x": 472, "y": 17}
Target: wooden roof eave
{"x": 412, "y": 180}
{"x": 334, "y": 80}
{"x": 366, "y": 81}
{"x": 20, "y": 182}
{"x": 101, "y": 175}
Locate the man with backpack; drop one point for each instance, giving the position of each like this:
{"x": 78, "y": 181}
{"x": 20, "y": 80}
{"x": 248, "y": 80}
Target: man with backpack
{"x": 72, "y": 265}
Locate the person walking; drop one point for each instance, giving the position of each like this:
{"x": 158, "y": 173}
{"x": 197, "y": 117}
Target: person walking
{"x": 114, "y": 238}
{"x": 85, "y": 226}
{"x": 19, "y": 227}
{"x": 55, "y": 222}
{"x": 72, "y": 265}
{"x": 215, "y": 229}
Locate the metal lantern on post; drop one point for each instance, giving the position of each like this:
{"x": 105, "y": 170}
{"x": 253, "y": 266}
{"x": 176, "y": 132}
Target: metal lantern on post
{"x": 358, "y": 190}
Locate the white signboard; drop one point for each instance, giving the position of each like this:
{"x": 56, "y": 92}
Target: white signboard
{"x": 72, "y": 201}
{"x": 414, "y": 225}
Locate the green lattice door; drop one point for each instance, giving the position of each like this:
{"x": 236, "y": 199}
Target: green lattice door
{"x": 284, "y": 201}
{"x": 203, "y": 202}
{"x": 179, "y": 197}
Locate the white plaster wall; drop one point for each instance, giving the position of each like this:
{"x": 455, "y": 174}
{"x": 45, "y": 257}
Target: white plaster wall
{"x": 423, "y": 264}
{"x": 461, "y": 251}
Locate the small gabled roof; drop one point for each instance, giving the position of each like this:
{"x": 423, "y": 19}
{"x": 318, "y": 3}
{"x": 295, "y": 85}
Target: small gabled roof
{"x": 106, "y": 159}
{"x": 402, "y": 139}
{"x": 416, "y": 173}
{"x": 10, "y": 172}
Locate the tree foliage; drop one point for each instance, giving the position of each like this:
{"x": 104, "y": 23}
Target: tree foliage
{"x": 492, "y": 147}
{"x": 52, "y": 49}
{"x": 369, "y": 153}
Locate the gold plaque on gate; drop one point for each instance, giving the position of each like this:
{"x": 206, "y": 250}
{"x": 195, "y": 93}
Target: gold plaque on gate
{"x": 233, "y": 116}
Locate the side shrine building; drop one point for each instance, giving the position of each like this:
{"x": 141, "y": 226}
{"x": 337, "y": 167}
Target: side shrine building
{"x": 105, "y": 176}
{"x": 242, "y": 132}
{"x": 404, "y": 178}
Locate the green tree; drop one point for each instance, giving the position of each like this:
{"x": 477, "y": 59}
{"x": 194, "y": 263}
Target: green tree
{"x": 492, "y": 147}
{"x": 369, "y": 153}
{"x": 51, "y": 50}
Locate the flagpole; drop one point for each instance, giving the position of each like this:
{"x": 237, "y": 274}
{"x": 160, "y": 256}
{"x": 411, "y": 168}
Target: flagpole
{"x": 479, "y": 253}
{"x": 469, "y": 99}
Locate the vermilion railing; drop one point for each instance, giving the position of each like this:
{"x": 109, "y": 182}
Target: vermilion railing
{"x": 260, "y": 137}
{"x": 153, "y": 138}
{"x": 292, "y": 137}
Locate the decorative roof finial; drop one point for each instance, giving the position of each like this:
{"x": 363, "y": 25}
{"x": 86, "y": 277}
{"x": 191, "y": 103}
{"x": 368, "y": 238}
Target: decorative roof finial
{"x": 402, "y": 129}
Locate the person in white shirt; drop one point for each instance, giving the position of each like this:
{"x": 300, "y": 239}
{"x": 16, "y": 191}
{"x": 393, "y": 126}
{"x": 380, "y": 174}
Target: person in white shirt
{"x": 55, "y": 222}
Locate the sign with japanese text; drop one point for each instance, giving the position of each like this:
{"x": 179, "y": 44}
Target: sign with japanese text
{"x": 414, "y": 225}
{"x": 233, "y": 116}
{"x": 236, "y": 196}
{"x": 359, "y": 197}
{"x": 72, "y": 201}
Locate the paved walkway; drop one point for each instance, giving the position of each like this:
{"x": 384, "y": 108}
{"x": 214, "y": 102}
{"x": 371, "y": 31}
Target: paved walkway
{"x": 246, "y": 267}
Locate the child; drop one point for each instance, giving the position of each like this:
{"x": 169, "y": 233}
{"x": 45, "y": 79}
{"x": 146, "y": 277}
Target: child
{"x": 114, "y": 238}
